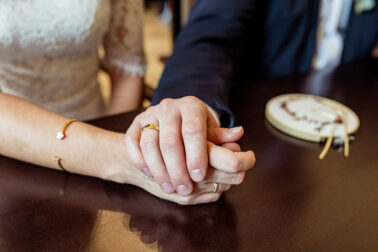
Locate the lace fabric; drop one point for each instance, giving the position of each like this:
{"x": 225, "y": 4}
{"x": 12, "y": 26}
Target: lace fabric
{"x": 125, "y": 35}
{"x": 48, "y": 50}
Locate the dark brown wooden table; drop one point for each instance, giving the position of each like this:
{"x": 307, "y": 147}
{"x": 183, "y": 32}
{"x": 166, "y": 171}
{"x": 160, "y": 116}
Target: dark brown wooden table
{"x": 291, "y": 201}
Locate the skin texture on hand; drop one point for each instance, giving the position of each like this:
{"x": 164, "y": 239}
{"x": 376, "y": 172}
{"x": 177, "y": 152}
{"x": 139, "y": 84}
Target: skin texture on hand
{"x": 202, "y": 191}
{"x": 97, "y": 152}
{"x": 178, "y": 154}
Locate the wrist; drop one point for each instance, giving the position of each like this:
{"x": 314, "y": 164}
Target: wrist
{"x": 116, "y": 165}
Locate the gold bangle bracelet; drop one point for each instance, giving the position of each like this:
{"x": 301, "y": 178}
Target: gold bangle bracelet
{"x": 58, "y": 160}
{"x": 60, "y": 136}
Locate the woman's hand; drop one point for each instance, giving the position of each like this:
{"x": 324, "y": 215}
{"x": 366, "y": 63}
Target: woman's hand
{"x": 97, "y": 152}
{"x": 178, "y": 153}
{"x": 121, "y": 170}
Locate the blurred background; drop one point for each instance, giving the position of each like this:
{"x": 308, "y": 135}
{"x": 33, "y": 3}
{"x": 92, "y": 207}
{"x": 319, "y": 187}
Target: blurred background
{"x": 163, "y": 20}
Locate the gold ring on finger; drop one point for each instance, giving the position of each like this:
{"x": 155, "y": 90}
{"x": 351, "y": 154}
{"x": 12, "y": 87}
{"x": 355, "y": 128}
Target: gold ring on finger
{"x": 150, "y": 126}
{"x": 215, "y": 187}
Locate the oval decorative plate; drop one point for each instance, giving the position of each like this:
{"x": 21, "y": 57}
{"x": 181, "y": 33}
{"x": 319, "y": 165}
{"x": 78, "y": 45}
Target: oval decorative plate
{"x": 310, "y": 117}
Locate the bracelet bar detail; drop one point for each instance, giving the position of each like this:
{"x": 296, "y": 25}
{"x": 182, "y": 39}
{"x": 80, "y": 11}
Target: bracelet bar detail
{"x": 60, "y": 136}
{"x": 58, "y": 160}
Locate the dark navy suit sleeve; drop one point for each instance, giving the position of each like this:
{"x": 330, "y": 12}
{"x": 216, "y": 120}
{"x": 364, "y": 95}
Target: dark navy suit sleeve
{"x": 203, "y": 59}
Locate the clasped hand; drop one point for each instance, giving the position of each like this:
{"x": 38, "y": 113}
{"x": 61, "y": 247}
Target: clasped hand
{"x": 189, "y": 152}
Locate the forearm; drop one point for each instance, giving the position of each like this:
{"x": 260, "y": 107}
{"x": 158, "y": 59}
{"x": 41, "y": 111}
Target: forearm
{"x": 202, "y": 63}
{"x": 126, "y": 93}
{"x": 28, "y": 133}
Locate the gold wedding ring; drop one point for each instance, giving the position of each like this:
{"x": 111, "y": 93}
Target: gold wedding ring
{"x": 215, "y": 187}
{"x": 150, "y": 126}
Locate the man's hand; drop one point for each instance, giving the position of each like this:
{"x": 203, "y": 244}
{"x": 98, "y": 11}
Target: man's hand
{"x": 178, "y": 153}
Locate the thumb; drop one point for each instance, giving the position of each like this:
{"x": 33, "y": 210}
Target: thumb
{"x": 224, "y": 135}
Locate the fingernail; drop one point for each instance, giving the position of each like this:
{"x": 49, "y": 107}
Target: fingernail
{"x": 196, "y": 175}
{"x": 236, "y": 129}
{"x": 147, "y": 172}
{"x": 168, "y": 187}
{"x": 183, "y": 189}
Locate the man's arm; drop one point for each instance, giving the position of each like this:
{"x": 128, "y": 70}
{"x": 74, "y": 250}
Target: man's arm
{"x": 203, "y": 59}
{"x": 201, "y": 66}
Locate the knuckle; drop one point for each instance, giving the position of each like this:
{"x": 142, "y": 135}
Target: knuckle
{"x": 168, "y": 143}
{"x": 226, "y": 178}
{"x": 138, "y": 117}
{"x": 191, "y": 99}
{"x": 234, "y": 164}
{"x": 139, "y": 164}
{"x": 239, "y": 179}
{"x": 166, "y": 103}
{"x": 178, "y": 178}
{"x": 193, "y": 126}
{"x": 197, "y": 162}
{"x": 159, "y": 175}
{"x": 147, "y": 144}
{"x": 144, "y": 114}
{"x": 150, "y": 110}
{"x": 236, "y": 147}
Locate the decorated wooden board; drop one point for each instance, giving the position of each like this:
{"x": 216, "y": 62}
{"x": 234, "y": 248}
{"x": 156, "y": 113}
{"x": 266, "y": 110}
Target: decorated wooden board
{"x": 311, "y": 118}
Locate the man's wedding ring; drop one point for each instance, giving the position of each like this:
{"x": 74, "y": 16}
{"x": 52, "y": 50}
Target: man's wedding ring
{"x": 150, "y": 126}
{"x": 215, "y": 187}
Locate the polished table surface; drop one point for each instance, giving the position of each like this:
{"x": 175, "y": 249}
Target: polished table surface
{"x": 291, "y": 201}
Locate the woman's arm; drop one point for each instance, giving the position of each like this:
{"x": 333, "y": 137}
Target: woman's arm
{"x": 28, "y": 133}
{"x": 124, "y": 56}
{"x": 127, "y": 92}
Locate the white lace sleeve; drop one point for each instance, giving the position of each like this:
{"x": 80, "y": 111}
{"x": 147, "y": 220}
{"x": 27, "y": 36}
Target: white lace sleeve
{"x": 124, "y": 40}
